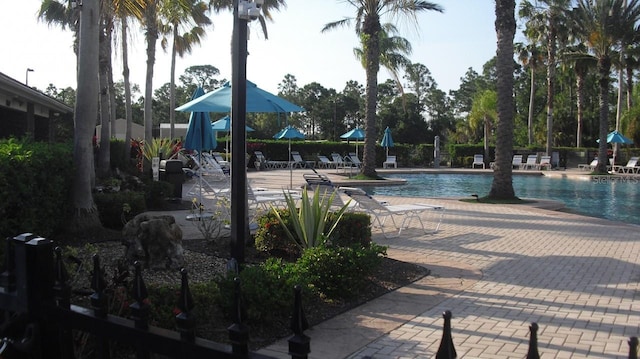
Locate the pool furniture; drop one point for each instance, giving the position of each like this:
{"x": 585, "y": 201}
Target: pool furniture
{"x": 545, "y": 162}
{"x": 478, "y": 160}
{"x": 263, "y": 163}
{"x": 325, "y": 162}
{"x": 408, "y": 212}
{"x": 353, "y": 161}
{"x": 516, "y": 162}
{"x": 630, "y": 167}
{"x": 338, "y": 161}
{"x": 297, "y": 160}
{"x": 589, "y": 167}
{"x": 532, "y": 163}
{"x": 391, "y": 161}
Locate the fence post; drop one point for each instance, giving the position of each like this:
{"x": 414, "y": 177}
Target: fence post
{"x": 99, "y": 303}
{"x": 238, "y": 332}
{"x": 185, "y": 323}
{"x": 140, "y": 308}
{"x": 633, "y": 348}
{"x": 62, "y": 297}
{"x": 533, "y": 342}
{"x": 446, "y": 349}
{"x": 299, "y": 343}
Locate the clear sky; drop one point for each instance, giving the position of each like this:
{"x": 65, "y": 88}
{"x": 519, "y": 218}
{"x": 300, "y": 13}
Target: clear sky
{"x": 448, "y": 44}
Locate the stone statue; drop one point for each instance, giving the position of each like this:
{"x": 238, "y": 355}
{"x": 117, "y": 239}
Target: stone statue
{"x": 157, "y": 239}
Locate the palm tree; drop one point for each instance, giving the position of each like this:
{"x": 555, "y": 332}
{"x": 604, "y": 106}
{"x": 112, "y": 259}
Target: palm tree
{"x": 176, "y": 18}
{"x": 530, "y": 56}
{"x": 483, "y": 113}
{"x": 548, "y": 17}
{"x": 368, "y": 27}
{"x": 576, "y": 56}
{"x": 393, "y": 53}
{"x": 603, "y": 26}
{"x": 502, "y": 185}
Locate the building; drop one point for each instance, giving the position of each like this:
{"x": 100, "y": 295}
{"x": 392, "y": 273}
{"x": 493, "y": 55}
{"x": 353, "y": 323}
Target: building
{"x": 27, "y": 111}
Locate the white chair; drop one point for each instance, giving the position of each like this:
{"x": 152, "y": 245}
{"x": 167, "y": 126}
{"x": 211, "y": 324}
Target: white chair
{"x": 353, "y": 160}
{"x": 545, "y": 162}
{"x": 478, "y": 160}
{"x": 532, "y": 163}
{"x": 630, "y": 167}
{"x": 325, "y": 162}
{"x": 590, "y": 166}
{"x": 408, "y": 212}
{"x": 390, "y": 162}
{"x": 516, "y": 162}
{"x": 338, "y": 161}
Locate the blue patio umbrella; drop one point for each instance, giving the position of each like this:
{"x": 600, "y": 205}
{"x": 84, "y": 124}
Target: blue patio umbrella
{"x": 289, "y": 133}
{"x": 258, "y": 100}
{"x": 224, "y": 125}
{"x": 356, "y": 134}
{"x": 387, "y": 140}
{"x": 200, "y": 136}
{"x": 616, "y": 137}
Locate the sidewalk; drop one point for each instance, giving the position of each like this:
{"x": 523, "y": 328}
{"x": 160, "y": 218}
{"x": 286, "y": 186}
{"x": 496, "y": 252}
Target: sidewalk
{"x": 497, "y": 268}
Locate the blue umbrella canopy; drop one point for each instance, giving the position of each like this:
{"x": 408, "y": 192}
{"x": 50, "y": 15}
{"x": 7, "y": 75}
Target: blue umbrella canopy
{"x": 355, "y": 134}
{"x": 288, "y": 132}
{"x": 199, "y": 136}
{"x": 224, "y": 125}
{"x": 258, "y": 100}
{"x": 387, "y": 140}
{"x": 617, "y": 137}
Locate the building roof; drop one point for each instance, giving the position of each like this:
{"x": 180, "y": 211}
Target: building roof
{"x": 14, "y": 89}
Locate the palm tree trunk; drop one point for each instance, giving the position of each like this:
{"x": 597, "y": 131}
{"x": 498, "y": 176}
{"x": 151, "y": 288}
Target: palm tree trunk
{"x": 172, "y": 87}
{"x": 604, "y": 67}
{"x": 551, "y": 74}
{"x": 502, "y": 185}
{"x": 531, "y": 103}
{"x": 127, "y": 91}
{"x": 151, "y": 37}
{"x": 371, "y": 29}
{"x": 580, "y": 107}
{"x": 86, "y": 112}
{"x": 629, "y": 87}
{"x": 105, "y": 101}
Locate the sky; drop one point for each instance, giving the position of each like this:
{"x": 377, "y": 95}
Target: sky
{"x": 447, "y": 43}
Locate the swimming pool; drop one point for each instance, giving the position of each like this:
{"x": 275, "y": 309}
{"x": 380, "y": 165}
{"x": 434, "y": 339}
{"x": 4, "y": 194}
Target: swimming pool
{"x": 613, "y": 198}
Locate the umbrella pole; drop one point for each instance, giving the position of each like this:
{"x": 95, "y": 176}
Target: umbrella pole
{"x": 290, "y": 167}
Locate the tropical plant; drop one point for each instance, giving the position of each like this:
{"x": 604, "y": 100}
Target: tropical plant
{"x": 530, "y": 56}
{"x": 368, "y": 27}
{"x": 159, "y": 147}
{"x": 604, "y": 26}
{"x": 502, "y": 185}
{"x": 483, "y": 113}
{"x": 311, "y": 219}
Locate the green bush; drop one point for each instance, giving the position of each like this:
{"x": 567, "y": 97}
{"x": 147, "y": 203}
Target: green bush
{"x": 163, "y": 300}
{"x": 112, "y": 210}
{"x": 340, "y": 272}
{"x": 156, "y": 193}
{"x": 271, "y": 238}
{"x": 35, "y": 187}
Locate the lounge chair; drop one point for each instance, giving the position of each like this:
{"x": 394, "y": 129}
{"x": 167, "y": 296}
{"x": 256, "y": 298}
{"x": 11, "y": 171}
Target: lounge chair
{"x": 545, "y": 162}
{"x": 478, "y": 160}
{"x": 390, "y": 162}
{"x": 325, "y": 162}
{"x": 630, "y": 167}
{"x": 589, "y": 167}
{"x": 408, "y": 212}
{"x": 299, "y": 162}
{"x": 353, "y": 160}
{"x": 338, "y": 161}
{"x": 516, "y": 162}
{"x": 532, "y": 163}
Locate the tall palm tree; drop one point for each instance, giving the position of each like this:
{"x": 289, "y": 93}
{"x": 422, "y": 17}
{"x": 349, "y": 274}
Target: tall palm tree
{"x": 502, "y": 185}
{"x": 531, "y": 57}
{"x": 483, "y": 113}
{"x": 581, "y": 62}
{"x": 603, "y": 25}
{"x": 177, "y": 19}
{"x": 368, "y": 26}
{"x": 549, "y": 17}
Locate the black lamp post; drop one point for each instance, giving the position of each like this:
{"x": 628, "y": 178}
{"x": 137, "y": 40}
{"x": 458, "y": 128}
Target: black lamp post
{"x": 243, "y": 12}
{"x": 26, "y": 77}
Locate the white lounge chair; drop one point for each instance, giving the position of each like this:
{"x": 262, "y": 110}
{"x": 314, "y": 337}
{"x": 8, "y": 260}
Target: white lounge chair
{"x": 630, "y": 167}
{"x": 589, "y": 167}
{"x": 338, "y": 161}
{"x": 516, "y": 162}
{"x": 545, "y": 162}
{"x": 532, "y": 163}
{"x": 325, "y": 162}
{"x": 408, "y": 212}
{"x": 478, "y": 160}
{"x": 353, "y": 160}
{"x": 390, "y": 162}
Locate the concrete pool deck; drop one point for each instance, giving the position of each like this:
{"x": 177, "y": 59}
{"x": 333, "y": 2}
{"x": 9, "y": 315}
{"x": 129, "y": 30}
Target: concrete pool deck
{"x": 497, "y": 268}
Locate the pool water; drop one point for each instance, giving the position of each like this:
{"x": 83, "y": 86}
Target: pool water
{"x": 613, "y": 198}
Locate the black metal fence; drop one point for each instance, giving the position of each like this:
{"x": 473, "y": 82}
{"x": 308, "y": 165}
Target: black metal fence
{"x": 39, "y": 320}
{"x": 447, "y": 349}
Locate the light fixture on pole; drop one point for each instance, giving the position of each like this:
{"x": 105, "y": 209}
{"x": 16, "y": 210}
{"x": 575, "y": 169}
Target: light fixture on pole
{"x": 244, "y": 11}
{"x": 26, "y": 77}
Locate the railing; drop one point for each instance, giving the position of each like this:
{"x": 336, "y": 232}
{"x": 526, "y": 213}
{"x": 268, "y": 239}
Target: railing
{"x": 447, "y": 350}
{"x": 39, "y": 320}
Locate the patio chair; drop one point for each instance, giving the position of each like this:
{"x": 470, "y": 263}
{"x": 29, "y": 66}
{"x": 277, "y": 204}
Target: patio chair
{"x": 408, "y": 212}
{"x": 532, "y": 163}
{"x": 545, "y": 162}
{"x": 589, "y": 167}
{"x": 338, "y": 161}
{"x": 325, "y": 162}
{"x": 320, "y": 182}
{"x": 353, "y": 160}
{"x": 299, "y": 162}
{"x": 630, "y": 167}
{"x": 390, "y": 162}
{"x": 516, "y": 162}
{"x": 478, "y": 160}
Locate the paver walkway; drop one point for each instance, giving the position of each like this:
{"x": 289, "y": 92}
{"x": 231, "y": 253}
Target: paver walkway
{"x": 498, "y": 268}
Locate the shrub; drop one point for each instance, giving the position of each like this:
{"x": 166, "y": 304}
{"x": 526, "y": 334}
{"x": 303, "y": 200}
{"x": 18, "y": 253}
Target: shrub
{"x": 156, "y": 193}
{"x": 113, "y": 206}
{"x": 340, "y": 272}
{"x": 271, "y": 237}
{"x": 353, "y": 228}
{"x": 163, "y": 299}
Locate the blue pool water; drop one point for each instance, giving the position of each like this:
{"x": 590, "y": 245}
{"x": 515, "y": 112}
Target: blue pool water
{"x": 600, "y": 197}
